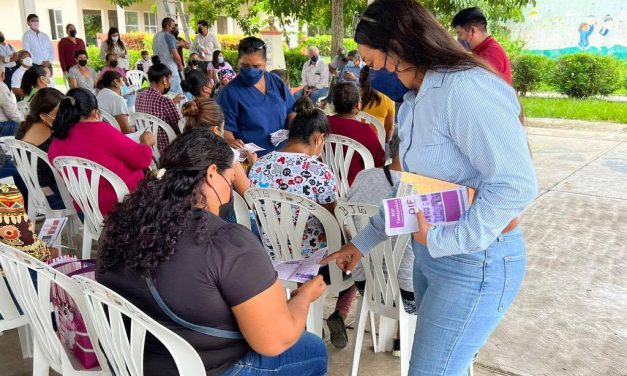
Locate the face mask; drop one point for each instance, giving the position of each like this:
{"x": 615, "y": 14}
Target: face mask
{"x": 34, "y": 26}
{"x": 113, "y": 63}
{"x": 350, "y": 64}
{"x": 227, "y": 209}
{"x": 220, "y": 59}
{"x": 199, "y": 30}
{"x": 175, "y": 32}
{"x": 388, "y": 83}
{"x": 115, "y": 39}
{"x": 124, "y": 89}
{"x": 27, "y": 62}
{"x": 318, "y": 155}
{"x": 73, "y": 33}
{"x": 314, "y": 58}
{"x": 82, "y": 63}
{"x": 464, "y": 43}
{"x": 49, "y": 82}
{"x": 194, "y": 62}
{"x": 2, "y": 39}
{"x": 251, "y": 75}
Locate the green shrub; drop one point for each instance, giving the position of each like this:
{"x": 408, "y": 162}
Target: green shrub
{"x": 294, "y": 61}
{"x": 583, "y": 75}
{"x": 529, "y": 71}
{"x": 231, "y": 57}
{"x": 93, "y": 53}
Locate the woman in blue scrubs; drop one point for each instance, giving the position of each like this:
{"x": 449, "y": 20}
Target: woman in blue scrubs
{"x": 256, "y": 102}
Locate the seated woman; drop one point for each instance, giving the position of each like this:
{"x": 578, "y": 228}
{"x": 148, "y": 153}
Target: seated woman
{"x": 198, "y": 84}
{"x": 77, "y": 131}
{"x": 346, "y": 102}
{"x": 10, "y": 116}
{"x": 296, "y": 169}
{"x": 256, "y": 103}
{"x": 193, "y": 64}
{"x": 207, "y": 271}
{"x": 219, "y": 69}
{"x": 35, "y": 78}
{"x": 111, "y": 101}
{"x": 376, "y": 104}
{"x": 206, "y": 113}
{"x": 36, "y": 129}
{"x": 82, "y": 75}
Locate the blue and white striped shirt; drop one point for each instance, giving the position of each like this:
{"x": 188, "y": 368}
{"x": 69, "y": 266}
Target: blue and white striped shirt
{"x": 463, "y": 127}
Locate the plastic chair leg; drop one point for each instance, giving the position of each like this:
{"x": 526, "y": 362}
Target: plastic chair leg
{"x": 315, "y": 317}
{"x": 362, "y": 310}
{"x": 26, "y": 340}
{"x": 373, "y": 332}
{"x": 41, "y": 367}
{"x": 86, "y": 253}
{"x": 387, "y": 328}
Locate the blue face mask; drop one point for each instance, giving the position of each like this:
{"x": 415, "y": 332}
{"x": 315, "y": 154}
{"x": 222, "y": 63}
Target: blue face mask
{"x": 350, "y": 64}
{"x": 464, "y": 43}
{"x": 124, "y": 89}
{"x": 251, "y": 75}
{"x": 314, "y": 58}
{"x": 388, "y": 83}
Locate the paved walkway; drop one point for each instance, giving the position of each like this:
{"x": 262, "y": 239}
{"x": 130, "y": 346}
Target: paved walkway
{"x": 571, "y": 315}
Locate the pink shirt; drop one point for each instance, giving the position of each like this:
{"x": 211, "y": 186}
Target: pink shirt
{"x": 101, "y": 143}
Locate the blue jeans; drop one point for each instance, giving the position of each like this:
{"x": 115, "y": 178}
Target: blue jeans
{"x": 307, "y": 357}
{"x": 8, "y": 128}
{"x": 461, "y": 299}
{"x": 313, "y": 96}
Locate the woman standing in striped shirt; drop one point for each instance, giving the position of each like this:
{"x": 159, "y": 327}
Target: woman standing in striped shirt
{"x": 459, "y": 123}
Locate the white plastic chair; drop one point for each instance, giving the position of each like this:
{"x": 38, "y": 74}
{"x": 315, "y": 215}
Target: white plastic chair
{"x": 26, "y": 157}
{"x": 110, "y": 119}
{"x": 136, "y": 79}
{"x": 12, "y": 319}
{"x": 242, "y": 213}
{"x": 49, "y": 352}
{"x": 108, "y": 311}
{"x": 284, "y": 228}
{"x": 23, "y": 107}
{"x": 82, "y": 178}
{"x": 338, "y": 154}
{"x": 146, "y": 122}
{"x": 382, "y": 294}
{"x": 375, "y": 124}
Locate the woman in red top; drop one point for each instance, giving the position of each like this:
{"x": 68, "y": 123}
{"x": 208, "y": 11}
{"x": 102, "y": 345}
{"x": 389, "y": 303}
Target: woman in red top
{"x": 67, "y": 47}
{"x": 77, "y": 131}
{"x": 343, "y": 123}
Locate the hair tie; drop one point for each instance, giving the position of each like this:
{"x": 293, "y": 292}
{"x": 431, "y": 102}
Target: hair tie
{"x": 159, "y": 173}
{"x": 72, "y": 100}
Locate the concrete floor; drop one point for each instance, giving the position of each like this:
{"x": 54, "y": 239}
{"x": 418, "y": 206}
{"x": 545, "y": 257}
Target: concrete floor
{"x": 571, "y": 315}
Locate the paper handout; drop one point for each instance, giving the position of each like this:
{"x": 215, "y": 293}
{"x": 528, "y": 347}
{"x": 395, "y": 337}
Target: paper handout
{"x": 51, "y": 231}
{"x": 279, "y": 136}
{"x": 300, "y": 271}
{"x": 251, "y": 148}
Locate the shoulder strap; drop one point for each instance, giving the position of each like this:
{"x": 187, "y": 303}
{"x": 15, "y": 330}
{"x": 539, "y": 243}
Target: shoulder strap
{"x": 214, "y": 332}
{"x": 388, "y": 174}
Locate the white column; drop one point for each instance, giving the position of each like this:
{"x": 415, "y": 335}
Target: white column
{"x": 26, "y": 7}
{"x": 121, "y": 19}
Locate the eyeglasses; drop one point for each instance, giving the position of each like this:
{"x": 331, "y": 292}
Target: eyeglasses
{"x": 357, "y": 18}
{"x": 256, "y": 44}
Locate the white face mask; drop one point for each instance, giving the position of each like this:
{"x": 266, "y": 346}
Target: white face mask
{"x": 34, "y": 25}
{"x": 27, "y": 62}
{"x": 115, "y": 39}
{"x": 318, "y": 155}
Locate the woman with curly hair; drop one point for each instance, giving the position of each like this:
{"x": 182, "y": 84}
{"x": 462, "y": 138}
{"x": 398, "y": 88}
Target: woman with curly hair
{"x": 168, "y": 236}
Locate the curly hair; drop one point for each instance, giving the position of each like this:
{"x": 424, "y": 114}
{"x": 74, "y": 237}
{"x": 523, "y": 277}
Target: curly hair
{"x": 142, "y": 231}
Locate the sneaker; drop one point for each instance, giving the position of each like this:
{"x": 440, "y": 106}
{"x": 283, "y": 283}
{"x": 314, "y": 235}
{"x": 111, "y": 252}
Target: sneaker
{"x": 397, "y": 348}
{"x": 339, "y": 337}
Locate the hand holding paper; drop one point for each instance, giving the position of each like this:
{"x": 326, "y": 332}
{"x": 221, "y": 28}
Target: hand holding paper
{"x": 423, "y": 229}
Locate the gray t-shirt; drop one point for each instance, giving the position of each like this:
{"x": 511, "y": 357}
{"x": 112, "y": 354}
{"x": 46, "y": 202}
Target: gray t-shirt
{"x": 162, "y": 46}
{"x": 83, "y": 82}
{"x": 112, "y": 103}
{"x": 371, "y": 186}
{"x": 209, "y": 273}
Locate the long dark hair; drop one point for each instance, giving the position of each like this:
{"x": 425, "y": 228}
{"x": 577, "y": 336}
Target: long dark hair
{"x": 214, "y": 59}
{"x": 411, "y": 32}
{"x": 369, "y": 96}
{"x": 78, "y": 103}
{"x": 194, "y": 82}
{"x": 44, "y": 101}
{"x": 144, "y": 229}
{"x": 308, "y": 121}
{"x": 110, "y": 43}
{"x": 107, "y": 79}
{"x": 30, "y": 78}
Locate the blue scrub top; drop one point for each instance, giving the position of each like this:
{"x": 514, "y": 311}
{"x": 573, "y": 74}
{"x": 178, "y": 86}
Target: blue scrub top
{"x": 356, "y": 70}
{"x": 251, "y": 115}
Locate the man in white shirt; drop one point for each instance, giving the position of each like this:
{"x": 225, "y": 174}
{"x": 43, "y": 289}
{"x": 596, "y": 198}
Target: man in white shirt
{"x": 314, "y": 77}
{"x": 25, "y": 61}
{"x": 206, "y": 42}
{"x": 10, "y": 117}
{"x": 8, "y": 55}
{"x": 38, "y": 43}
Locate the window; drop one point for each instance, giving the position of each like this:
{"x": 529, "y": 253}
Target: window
{"x": 112, "y": 15}
{"x": 132, "y": 21}
{"x": 56, "y": 24}
{"x": 150, "y": 23}
{"x": 222, "y": 25}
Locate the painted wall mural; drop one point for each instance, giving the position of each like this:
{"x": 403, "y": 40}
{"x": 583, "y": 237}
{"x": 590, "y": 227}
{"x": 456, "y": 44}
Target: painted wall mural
{"x": 557, "y": 27}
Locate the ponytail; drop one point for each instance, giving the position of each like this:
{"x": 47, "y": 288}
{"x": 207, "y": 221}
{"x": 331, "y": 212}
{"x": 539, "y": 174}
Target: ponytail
{"x": 25, "y": 126}
{"x": 77, "y": 104}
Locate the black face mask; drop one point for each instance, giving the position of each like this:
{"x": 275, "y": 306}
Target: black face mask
{"x": 193, "y": 62}
{"x": 82, "y": 63}
{"x": 199, "y": 30}
{"x": 175, "y": 32}
{"x": 2, "y": 39}
{"x": 227, "y": 210}
{"x": 73, "y": 33}
{"x": 113, "y": 63}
